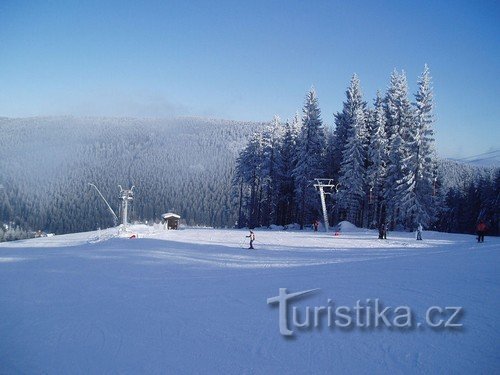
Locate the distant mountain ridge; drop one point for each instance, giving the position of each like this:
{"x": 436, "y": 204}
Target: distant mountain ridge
{"x": 458, "y": 174}
{"x": 486, "y": 159}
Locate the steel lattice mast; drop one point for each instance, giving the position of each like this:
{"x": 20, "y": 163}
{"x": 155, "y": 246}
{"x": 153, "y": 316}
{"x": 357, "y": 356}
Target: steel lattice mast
{"x": 324, "y": 187}
{"x": 126, "y": 196}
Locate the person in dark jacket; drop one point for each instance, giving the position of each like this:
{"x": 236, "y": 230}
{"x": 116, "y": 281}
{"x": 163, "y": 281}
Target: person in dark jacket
{"x": 382, "y": 231}
{"x": 481, "y": 230}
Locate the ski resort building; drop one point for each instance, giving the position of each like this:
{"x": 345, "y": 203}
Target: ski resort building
{"x": 170, "y": 220}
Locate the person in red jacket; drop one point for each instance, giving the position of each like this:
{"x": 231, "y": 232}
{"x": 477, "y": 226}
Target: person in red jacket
{"x": 481, "y": 230}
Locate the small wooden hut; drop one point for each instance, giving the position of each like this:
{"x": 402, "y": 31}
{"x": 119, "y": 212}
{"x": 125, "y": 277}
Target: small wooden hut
{"x": 170, "y": 220}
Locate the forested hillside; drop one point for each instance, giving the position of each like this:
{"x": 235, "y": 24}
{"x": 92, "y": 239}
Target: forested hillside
{"x": 183, "y": 165}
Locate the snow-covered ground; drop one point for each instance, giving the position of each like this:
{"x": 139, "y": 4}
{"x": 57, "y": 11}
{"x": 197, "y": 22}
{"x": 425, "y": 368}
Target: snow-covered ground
{"x": 195, "y": 301}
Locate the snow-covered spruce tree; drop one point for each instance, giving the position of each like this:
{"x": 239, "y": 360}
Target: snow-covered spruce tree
{"x": 422, "y": 209}
{"x": 352, "y": 176}
{"x": 239, "y": 192}
{"x": 331, "y": 169}
{"x": 377, "y": 160}
{"x": 366, "y": 204}
{"x": 399, "y": 192}
{"x": 310, "y": 154}
{"x": 271, "y": 172}
{"x": 337, "y": 144}
{"x": 286, "y": 196}
{"x": 249, "y": 172}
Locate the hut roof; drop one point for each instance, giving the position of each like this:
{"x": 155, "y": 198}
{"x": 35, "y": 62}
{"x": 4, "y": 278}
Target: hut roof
{"x": 170, "y": 215}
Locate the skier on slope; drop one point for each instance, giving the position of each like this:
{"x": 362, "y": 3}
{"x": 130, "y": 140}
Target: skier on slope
{"x": 316, "y": 225}
{"x": 419, "y": 232}
{"x": 252, "y": 238}
{"x": 382, "y": 231}
{"x": 481, "y": 230}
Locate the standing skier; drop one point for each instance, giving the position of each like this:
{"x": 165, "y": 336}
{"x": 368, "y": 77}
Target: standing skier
{"x": 481, "y": 230}
{"x": 419, "y": 232}
{"x": 252, "y": 238}
{"x": 316, "y": 225}
{"x": 382, "y": 231}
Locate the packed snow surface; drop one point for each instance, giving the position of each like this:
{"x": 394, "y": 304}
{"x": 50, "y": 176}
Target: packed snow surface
{"x": 195, "y": 301}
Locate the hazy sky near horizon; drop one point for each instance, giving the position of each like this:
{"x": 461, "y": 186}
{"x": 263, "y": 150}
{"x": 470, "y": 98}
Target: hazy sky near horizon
{"x": 250, "y": 60}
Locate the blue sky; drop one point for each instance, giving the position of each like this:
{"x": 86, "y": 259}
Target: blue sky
{"x": 249, "y": 60}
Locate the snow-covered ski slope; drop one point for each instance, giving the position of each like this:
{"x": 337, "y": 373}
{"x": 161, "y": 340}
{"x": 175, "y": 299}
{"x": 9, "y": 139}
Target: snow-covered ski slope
{"x": 194, "y": 301}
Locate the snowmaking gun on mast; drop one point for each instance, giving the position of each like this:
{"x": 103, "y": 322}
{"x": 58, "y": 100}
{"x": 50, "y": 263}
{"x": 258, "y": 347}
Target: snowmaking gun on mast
{"x": 115, "y": 218}
{"x": 126, "y": 196}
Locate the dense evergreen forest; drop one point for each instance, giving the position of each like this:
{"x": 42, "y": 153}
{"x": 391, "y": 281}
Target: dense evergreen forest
{"x": 226, "y": 173}
{"x": 183, "y": 165}
{"x": 381, "y": 160}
